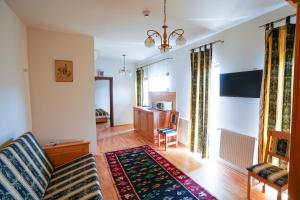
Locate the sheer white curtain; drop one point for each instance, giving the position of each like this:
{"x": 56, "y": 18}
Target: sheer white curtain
{"x": 156, "y": 79}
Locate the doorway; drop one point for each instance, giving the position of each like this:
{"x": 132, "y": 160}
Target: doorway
{"x": 100, "y": 111}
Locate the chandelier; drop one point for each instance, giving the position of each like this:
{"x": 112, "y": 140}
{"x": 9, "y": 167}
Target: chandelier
{"x": 123, "y": 71}
{"x": 165, "y": 39}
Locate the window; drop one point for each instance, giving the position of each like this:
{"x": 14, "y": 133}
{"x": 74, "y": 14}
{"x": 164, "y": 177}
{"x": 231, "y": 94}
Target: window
{"x": 213, "y": 121}
{"x": 145, "y": 92}
{"x": 156, "y": 79}
{"x": 159, "y": 83}
{"x": 155, "y": 84}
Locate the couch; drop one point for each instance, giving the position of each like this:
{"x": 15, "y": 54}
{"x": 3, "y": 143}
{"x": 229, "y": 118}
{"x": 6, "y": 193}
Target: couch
{"x": 26, "y": 173}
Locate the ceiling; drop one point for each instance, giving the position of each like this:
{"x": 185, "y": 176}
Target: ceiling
{"x": 120, "y": 27}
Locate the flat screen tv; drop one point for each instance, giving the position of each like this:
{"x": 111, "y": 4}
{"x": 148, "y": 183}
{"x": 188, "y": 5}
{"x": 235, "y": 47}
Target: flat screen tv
{"x": 241, "y": 84}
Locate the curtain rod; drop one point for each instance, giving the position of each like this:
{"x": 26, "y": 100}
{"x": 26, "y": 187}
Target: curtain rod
{"x": 212, "y": 43}
{"x": 278, "y": 20}
{"x": 147, "y": 65}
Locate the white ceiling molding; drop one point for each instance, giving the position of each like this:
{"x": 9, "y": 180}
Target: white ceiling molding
{"x": 120, "y": 27}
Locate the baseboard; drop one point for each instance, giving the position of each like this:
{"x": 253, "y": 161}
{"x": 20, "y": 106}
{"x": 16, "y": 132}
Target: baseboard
{"x": 232, "y": 166}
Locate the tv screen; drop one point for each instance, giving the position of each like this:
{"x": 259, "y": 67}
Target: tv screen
{"x": 241, "y": 84}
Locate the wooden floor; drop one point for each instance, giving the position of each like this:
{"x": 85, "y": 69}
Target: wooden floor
{"x": 104, "y": 130}
{"x": 218, "y": 179}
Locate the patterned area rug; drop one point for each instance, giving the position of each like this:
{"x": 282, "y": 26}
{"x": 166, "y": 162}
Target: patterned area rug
{"x": 142, "y": 173}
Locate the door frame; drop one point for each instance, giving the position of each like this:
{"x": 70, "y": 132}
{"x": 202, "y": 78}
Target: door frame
{"x": 111, "y": 96}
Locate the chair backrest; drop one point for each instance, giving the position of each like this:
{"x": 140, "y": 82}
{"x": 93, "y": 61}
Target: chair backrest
{"x": 174, "y": 119}
{"x": 25, "y": 170}
{"x": 278, "y": 145}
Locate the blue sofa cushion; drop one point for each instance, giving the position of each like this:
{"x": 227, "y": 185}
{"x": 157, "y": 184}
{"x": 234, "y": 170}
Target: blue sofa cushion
{"x": 75, "y": 180}
{"x": 24, "y": 169}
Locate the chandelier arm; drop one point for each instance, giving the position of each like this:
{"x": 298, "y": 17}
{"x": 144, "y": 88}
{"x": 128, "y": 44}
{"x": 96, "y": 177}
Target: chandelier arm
{"x": 178, "y": 32}
{"x": 164, "y": 38}
{"x": 124, "y": 62}
{"x": 151, "y": 33}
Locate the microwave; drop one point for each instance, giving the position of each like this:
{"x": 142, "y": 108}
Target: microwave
{"x": 163, "y": 105}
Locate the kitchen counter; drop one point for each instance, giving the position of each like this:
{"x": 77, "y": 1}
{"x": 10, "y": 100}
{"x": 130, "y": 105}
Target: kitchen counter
{"x": 147, "y": 120}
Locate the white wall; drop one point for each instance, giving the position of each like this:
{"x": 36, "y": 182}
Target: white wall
{"x": 243, "y": 50}
{"x": 102, "y": 94}
{"x": 14, "y": 89}
{"x": 123, "y": 86}
{"x": 62, "y": 111}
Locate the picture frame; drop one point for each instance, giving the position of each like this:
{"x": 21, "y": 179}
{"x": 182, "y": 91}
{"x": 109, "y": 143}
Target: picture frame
{"x": 63, "y": 71}
{"x": 99, "y": 72}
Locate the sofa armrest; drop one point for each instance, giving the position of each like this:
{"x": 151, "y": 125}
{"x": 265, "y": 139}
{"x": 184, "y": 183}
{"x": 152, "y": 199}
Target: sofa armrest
{"x": 60, "y": 154}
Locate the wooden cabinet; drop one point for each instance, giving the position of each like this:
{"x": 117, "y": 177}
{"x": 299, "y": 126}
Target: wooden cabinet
{"x": 144, "y": 121}
{"x": 147, "y": 121}
{"x": 60, "y": 154}
{"x": 136, "y": 119}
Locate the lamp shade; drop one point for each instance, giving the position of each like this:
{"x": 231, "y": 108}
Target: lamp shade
{"x": 149, "y": 42}
{"x": 180, "y": 40}
{"x": 125, "y": 72}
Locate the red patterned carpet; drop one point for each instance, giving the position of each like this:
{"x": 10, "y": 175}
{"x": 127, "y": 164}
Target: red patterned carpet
{"x": 142, "y": 173}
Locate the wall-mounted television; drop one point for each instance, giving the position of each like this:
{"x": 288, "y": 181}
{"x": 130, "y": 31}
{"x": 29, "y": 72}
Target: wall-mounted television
{"x": 241, "y": 84}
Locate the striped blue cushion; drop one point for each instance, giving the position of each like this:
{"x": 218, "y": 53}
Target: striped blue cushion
{"x": 166, "y": 130}
{"x": 75, "y": 180}
{"x": 270, "y": 172}
{"x": 24, "y": 169}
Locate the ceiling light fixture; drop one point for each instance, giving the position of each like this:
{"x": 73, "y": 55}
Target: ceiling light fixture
{"x": 165, "y": 39}
{"x": 146, "y": 13}
{"x": 123, "y": 71}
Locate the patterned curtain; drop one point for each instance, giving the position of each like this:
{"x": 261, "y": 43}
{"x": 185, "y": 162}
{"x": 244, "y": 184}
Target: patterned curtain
{"x": 139, "y": 86}
{"x": 275, "y": 105}
{"x": 200, "y": 71}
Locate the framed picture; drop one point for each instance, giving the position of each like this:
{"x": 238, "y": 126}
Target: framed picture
{"x": 99, "y": 72}
{"x": 63, "y": 71}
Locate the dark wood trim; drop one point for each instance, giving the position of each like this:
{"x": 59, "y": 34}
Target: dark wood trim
{"x": 294, "y": 172}
{"x": 103, "y": 78}
{"x": 111, "y": 96}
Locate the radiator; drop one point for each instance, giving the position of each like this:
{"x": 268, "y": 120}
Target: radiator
{"x": 237, "y": 149}
{"x": 183, "y": 129}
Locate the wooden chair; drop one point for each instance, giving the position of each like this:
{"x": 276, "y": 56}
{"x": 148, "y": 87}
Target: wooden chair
{"x": 169, "y": 132}
{"x": 267, "y": 173}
